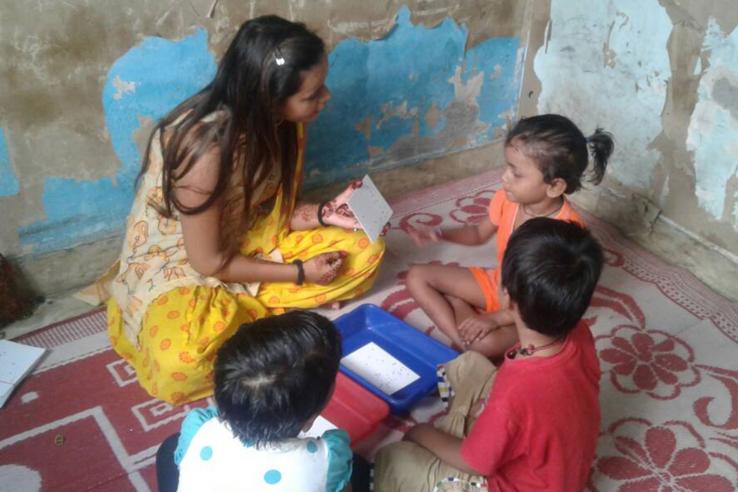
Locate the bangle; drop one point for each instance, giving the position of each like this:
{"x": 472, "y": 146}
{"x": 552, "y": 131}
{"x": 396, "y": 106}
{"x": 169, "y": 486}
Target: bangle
{"x": 320, "y": 214}
{"x": 300, "y": 272}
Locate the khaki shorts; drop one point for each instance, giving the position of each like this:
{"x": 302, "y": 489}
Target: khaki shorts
{"x": 408, "y": 467}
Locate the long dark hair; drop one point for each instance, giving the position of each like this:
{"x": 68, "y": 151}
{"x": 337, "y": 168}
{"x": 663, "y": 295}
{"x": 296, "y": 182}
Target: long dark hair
{"x": 560, "y": 148}
{"x": 260, "y": 69}
{"x": 275, "y": 374}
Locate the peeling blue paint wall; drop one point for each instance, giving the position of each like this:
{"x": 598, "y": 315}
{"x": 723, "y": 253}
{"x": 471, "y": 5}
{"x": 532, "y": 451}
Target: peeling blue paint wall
{"x": 8, "y": 180}
{"x": 408, "y": 87}
{"x": 383, "y": 90}
{"x": 713, "y": 128}
{"x": 606, "y": 64}
{"x": 662, "y": 76}
{"x": 145, "y": 83}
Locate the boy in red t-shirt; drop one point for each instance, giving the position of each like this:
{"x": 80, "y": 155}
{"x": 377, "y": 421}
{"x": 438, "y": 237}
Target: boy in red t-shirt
{"x": 536, "y": 428}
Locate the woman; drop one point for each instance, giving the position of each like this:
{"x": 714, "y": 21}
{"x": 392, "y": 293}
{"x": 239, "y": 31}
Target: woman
{"x": 216, "y": 237}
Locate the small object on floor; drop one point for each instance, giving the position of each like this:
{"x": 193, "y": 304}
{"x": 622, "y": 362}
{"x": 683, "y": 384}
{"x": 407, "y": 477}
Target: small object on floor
{"x": 15, "y": 303}
{"x": 59, "y": 440}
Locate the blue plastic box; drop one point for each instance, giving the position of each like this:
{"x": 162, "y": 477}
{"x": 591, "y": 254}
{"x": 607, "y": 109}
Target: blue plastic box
{"x": 421, "y": 353}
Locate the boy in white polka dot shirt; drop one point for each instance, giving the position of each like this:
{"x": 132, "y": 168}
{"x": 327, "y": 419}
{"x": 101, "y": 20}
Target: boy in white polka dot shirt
{"x": 272, "y": 379}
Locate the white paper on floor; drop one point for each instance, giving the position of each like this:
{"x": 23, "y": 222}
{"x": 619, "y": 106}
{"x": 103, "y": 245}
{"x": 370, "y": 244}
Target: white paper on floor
{"x": 16, "y": 362}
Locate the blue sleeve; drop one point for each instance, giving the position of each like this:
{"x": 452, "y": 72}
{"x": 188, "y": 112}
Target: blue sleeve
{"x": 340, "y": 459}
{"x": 190, "y": 425}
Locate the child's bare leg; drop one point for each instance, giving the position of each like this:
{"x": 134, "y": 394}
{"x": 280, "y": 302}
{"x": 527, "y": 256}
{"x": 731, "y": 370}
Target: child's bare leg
{"x": 462, "y": 309}
{"x": 496, "y": 343}
{"x": 433, "y": 287}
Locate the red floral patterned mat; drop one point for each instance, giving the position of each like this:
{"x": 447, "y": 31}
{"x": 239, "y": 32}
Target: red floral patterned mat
{"x": 667, "y": 345}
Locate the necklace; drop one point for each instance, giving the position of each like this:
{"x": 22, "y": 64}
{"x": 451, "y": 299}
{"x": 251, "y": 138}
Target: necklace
{"x": 535, "y": 216}
{"x": 531, "y": 349}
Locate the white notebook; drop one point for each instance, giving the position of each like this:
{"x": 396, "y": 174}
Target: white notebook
{"x": 370, "y": 208}
{"x": 16, "y": 362}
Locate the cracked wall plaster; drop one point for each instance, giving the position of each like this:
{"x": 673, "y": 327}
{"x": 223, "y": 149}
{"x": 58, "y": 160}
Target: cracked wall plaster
{"x": 713, "y": 127}
{"x": 605, "y": 64}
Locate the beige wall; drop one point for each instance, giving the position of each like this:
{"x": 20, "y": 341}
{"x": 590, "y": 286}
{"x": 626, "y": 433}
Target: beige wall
{"x": 64, "y": 166}
{"x": 662, "y": 76}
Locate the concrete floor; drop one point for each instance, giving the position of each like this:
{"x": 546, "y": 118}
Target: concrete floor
{"x": 52, "y": 310}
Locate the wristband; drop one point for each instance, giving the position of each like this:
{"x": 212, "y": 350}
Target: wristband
{"x": 300, "y": 272}
{"x": 320, "y": 214}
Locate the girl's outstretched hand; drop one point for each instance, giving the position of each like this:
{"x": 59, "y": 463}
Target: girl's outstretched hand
{"x": 422, "y": 236}
{"x": 337, "y": 212}
{"x": 324, "y": 268}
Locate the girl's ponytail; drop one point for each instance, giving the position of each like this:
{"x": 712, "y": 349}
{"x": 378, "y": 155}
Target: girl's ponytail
{"x": 600, "y": 145}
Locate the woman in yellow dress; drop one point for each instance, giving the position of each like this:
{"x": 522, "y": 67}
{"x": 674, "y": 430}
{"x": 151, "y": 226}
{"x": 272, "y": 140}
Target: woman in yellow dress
{"x": 216, "y": 236}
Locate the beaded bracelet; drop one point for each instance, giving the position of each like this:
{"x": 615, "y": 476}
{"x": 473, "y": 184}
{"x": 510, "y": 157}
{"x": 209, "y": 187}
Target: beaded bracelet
{"x": 300, "y": 272}
{"x": 320, "y": 214}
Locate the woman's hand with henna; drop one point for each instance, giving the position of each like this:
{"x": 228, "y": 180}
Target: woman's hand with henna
{"x": 337, "y": 212}
{"x": 324, "y": 268}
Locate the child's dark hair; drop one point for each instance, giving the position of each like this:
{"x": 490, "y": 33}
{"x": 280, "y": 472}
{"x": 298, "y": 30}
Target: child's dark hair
{"x": 261, "y": 68}
{"x": 560, "y": 148}
{"x": 276, "y": 373}
{"x": 550, "y": 271}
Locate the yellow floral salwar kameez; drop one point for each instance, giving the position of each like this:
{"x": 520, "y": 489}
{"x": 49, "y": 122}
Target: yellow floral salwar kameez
{"x": 168, "y": 321}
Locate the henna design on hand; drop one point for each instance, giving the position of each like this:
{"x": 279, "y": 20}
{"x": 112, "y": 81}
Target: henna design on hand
{"x": 336, "y": 211}
{"x": 304, "y": 214}
{"x": 328, "y": 209}
{"x": 327, "y": 277}
{"x": 344, "y": 211}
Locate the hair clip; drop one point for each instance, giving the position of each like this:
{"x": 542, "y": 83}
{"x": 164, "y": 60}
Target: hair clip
{"x": 278, "y": 57}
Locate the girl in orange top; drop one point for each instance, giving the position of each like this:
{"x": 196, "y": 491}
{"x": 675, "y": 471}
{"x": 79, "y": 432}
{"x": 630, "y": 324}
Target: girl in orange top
{"x": 546, "y": 158}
